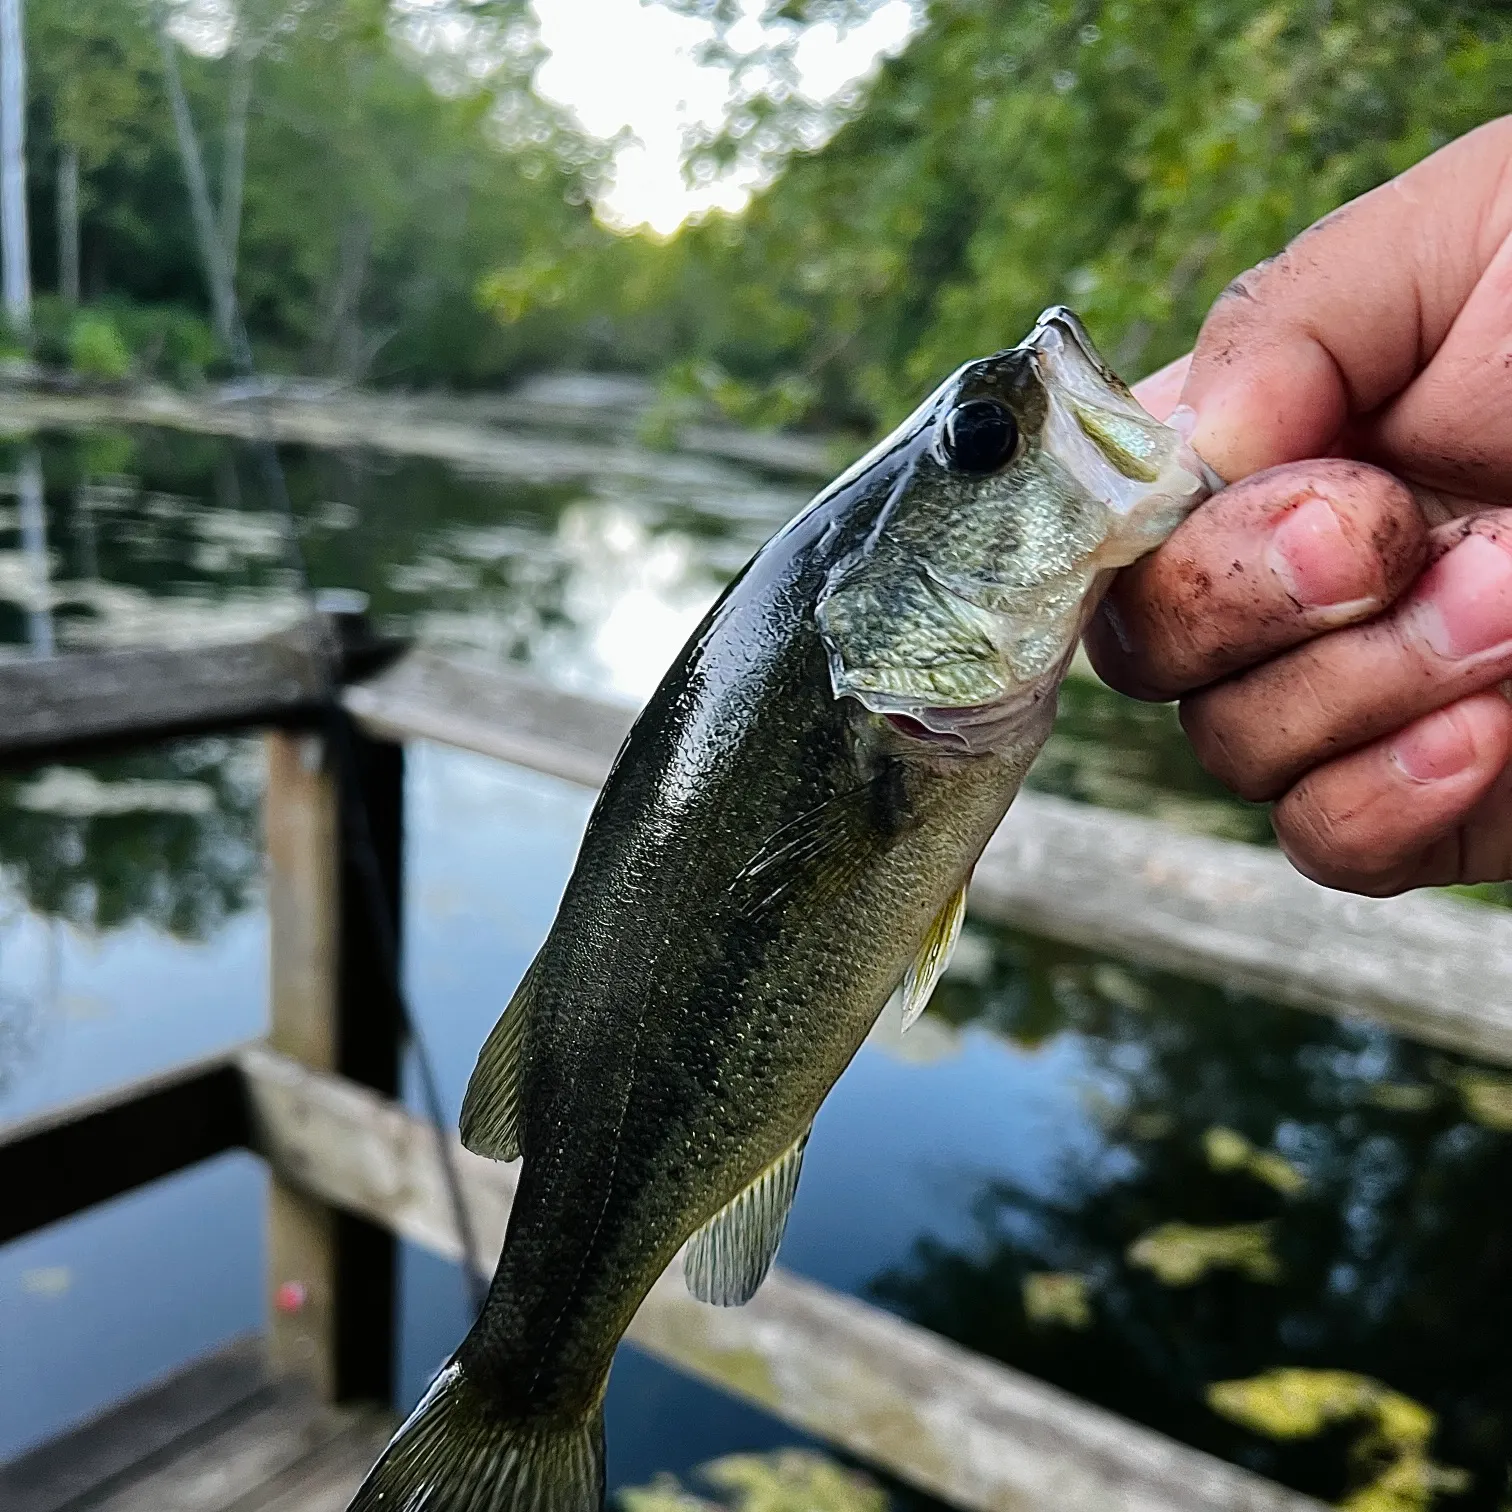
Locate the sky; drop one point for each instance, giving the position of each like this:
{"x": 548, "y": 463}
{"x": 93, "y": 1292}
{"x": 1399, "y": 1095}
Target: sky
{"x": 629, "y": 65}
{"x": 620, "y": 64}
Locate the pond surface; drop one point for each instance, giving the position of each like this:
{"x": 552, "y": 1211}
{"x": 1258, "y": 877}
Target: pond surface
{"x": 1132, "y": 1186}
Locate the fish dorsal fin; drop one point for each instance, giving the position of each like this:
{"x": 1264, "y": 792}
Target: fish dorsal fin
{"x": 934, "y": 955}
{"x": 490, "y": 1123}
{"x": 728, "y": 1258}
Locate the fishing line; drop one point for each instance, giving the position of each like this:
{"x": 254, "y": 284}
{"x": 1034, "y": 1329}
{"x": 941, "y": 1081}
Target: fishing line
{"x": 357, "y": 822}
{"x": 352, "y": 805}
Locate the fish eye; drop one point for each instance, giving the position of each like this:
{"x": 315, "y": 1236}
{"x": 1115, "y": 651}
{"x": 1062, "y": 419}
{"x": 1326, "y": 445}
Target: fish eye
{"x": 978, "y": 436}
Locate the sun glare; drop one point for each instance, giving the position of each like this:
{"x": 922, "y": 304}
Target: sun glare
{"x": 630, "y": 70}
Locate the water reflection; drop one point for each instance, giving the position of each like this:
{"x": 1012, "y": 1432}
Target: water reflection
{"x": 167, "y": 539}
{"x": 169, "y": 837}
{"x": 593, "y": 581}
{"x": 1271, "y": 1188}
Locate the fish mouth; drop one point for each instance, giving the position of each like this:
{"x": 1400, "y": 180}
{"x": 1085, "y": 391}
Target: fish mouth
{"x": 1059, "y": 330}
{"x": 1143, "y": 470}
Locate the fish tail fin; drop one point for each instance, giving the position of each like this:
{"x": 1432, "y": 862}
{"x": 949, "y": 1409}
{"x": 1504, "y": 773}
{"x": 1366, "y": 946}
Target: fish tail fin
{"x": 457, "y": 1453}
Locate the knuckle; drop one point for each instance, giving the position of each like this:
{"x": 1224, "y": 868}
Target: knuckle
{"x": 1117, "y": 668}
{"x": 1258, "y": 732}
{"x": 1249, "y": 286}
{"x": 1124, "y": 639}
{"x": 1334, "y": 843}
{"x": 1224, "y": 739}
{"x": 1175, "y": 616}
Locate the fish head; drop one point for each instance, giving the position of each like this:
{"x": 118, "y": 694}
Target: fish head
{"x": 995, "y": 517}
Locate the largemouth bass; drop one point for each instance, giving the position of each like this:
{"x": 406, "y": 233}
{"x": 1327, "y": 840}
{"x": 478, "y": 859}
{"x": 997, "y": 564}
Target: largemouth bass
{"x": 785, "y": 837}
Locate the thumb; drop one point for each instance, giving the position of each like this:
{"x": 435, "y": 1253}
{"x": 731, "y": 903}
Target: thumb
{"x": 1345, "y": 317}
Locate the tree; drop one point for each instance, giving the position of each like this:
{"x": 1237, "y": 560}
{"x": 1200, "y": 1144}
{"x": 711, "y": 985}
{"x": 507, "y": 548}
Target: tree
{"x": 1126, "y": 156}
{"x": 362, "y": 166}
{"x": 91, "y": 88}
{"x": 13, "y": 228}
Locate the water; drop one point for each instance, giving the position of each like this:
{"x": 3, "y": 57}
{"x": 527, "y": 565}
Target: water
{"x": 1006, "y": 1174}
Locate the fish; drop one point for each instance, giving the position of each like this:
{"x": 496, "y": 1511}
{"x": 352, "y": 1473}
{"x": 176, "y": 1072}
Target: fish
{"x": 784, "y": 840}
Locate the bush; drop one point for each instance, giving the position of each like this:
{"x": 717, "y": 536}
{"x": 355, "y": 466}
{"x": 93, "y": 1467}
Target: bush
{"x": 168, "y": 342}
{"x": 96, "y": 349}
{"x": 114, "y": 339}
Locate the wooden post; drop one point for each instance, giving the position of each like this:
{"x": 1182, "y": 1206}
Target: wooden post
{"x": 301, "y": 824}
{"x": 370, "y": 1038}
{"x": 332, "y": 1276}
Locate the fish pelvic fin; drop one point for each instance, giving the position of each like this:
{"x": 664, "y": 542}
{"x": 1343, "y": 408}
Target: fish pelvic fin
{"x": 456, "y": 1453}
{"x": 729, "y": 1257}
{"x": 923, "y": 976}
{"x": 491, "y": 1109}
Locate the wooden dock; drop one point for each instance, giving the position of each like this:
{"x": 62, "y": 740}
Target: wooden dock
{"x": 223, "y": 1435}
{"x": 299, "y": 1413}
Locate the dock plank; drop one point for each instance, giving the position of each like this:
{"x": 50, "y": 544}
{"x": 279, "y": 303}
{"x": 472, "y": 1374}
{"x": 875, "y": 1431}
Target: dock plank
{"x": 326, "y": 1479}
{"x": 63, "y": 703}
{"x": 70, "y": 1157}
{"x": 135, "y": 1435}
{"x": 271, "y": 1440}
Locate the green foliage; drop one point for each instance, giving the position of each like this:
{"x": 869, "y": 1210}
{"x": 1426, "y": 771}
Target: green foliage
{"x": 786, "y": 1480}
{"x": 394, "y": 156}
{"x": 112, "y": 339}
{"x": 96, "y": 349}
{"x": 166, "y": 341}
{"x": 1128, "y": 157}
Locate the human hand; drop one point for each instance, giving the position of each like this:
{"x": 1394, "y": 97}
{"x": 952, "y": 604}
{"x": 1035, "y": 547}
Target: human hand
{"x": 1336, "y": 631}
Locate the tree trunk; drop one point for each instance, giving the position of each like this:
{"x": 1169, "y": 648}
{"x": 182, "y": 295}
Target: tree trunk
{"x": 341, "y": 330}
{"x": 207, "y": 232}
{"x": 68, "y": 225}
{"x": 14, "y": 244}
{"x": 234, "y": 160}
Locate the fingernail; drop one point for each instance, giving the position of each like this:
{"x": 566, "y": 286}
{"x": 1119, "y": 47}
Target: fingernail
{"x": 1465, "y": 599}
{"x": 1434, "y": 748}
{"x": 1183, "y": 420}
{"x": 1315, "y": 561}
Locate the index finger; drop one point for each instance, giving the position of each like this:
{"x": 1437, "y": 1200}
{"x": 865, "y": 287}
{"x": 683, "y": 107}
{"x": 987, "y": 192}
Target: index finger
{"x": 1267, "y": 564}
{"x": 1343, "y": 318}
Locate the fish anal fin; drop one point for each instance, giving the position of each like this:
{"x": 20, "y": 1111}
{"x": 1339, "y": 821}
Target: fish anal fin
{"x": 729, "y": 1257}
{"x": 921, "y": 978}
{"x": 492, "y": 1107}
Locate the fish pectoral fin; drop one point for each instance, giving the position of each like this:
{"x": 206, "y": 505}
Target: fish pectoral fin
{"x": 921, "y": 978}
{"x": 728, "y": 1258}
{"x": 491, "y": 1109}
{"x": 813, "y": 856}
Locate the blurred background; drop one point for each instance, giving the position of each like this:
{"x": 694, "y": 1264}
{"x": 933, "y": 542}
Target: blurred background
{"x": 576, "y": 302}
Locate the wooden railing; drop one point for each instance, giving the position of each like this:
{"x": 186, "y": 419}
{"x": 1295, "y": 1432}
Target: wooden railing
{"x": 1433, "y": 967}
{"x": 352, "y": 1169}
